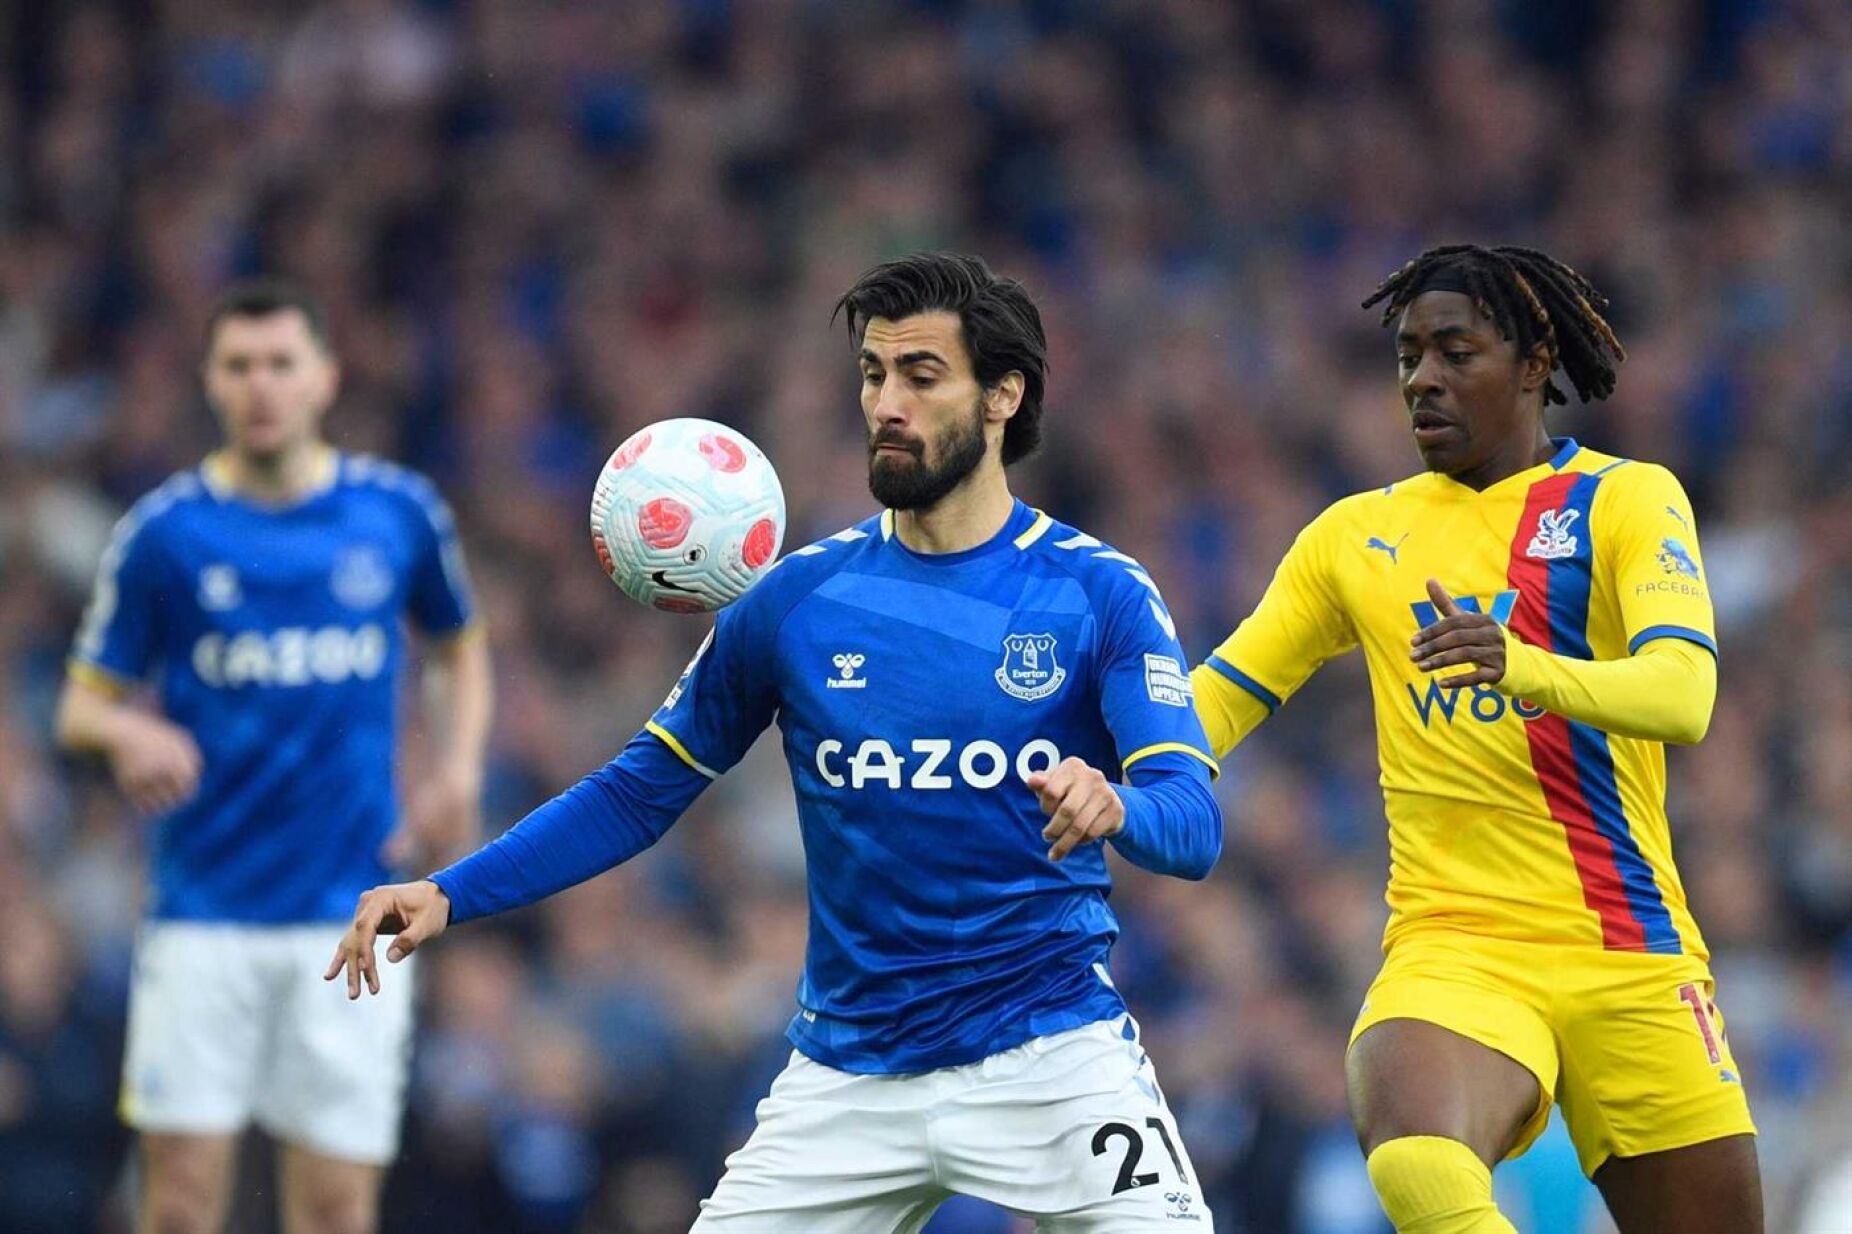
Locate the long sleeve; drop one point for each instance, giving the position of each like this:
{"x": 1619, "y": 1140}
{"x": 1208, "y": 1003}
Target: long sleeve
{"x": 1663, "y": 692}
{"x": 1298, "y": 625}
{"x": 1229, "y": 711}
{"x": 1173, "y": 823}
{"x": 602, "y": 821}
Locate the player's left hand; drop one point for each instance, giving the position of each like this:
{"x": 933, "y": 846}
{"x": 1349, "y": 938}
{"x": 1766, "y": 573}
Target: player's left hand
{"x": 1459, "y": 637}
{"x": 443, "y": 822}
{"x": 1081, "y": 806}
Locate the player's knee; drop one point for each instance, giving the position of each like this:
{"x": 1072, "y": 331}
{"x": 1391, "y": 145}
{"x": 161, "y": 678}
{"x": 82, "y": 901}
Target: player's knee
{"x": 174, "y": 1210}
{"x": 1432, "y": 1185}
{"x": 340, "y": 1205}
{"x": 329, "y": 1213}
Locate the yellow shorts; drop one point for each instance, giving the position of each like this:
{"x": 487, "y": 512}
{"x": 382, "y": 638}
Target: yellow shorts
{"x": 1631, "y": 1045}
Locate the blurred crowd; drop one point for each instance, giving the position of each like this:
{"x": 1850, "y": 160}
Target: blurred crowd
{"x": 540, "y": 225}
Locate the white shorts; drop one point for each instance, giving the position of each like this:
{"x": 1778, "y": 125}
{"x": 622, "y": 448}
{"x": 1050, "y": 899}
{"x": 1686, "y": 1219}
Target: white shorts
{"x": 230, "y": 1024}
{"x": 1070, "y": 1128}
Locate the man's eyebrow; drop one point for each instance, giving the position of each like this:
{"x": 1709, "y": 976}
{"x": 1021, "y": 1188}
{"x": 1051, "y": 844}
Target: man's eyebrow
{"x": 905, "y": 358}
{"x": 1441, "y": 332}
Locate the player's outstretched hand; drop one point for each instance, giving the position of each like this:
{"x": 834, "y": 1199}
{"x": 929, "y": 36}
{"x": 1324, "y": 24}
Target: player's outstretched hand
{"x": 155, "y": 762}
{"x": 1459, "y": 637}
{"x": 416, "y": 912}
{"x": 1081, "y": 806}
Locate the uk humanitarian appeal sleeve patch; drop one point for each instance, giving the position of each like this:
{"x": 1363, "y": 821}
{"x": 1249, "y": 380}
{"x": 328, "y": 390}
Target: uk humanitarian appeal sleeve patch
{"x": 1166, "y": 681}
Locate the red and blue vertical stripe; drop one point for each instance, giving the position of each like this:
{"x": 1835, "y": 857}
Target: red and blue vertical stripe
{"x": 1572, "y": 760}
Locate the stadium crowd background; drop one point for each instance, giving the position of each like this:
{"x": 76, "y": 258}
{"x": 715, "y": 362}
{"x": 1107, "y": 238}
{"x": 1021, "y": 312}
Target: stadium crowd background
{"x": 539, "y": 226}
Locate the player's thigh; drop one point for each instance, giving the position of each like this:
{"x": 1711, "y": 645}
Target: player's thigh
{"x": 833, "y": 1153}
{"x": 1073, "y": 1129}
{"x": 327, "y": 1195}
{"x": 201, "y": 1013}
{"x": 1452, "y": 1042}
{"x": 186, "y": 1181}
{"x": 336, "y": 1075}
{"x": 1709, "y": 1188}
{"x": 1647, "y": 1064}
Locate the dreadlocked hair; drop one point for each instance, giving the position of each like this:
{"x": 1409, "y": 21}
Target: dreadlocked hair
{"x": 1533, "y": 299}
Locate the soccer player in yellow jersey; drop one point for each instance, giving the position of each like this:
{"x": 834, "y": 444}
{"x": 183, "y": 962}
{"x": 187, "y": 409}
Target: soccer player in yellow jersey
{"x": 1536, "y": 626}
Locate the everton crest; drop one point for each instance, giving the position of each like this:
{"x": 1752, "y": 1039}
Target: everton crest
{"x": 361, "y": 578}
{"x": 1029, "y": 670}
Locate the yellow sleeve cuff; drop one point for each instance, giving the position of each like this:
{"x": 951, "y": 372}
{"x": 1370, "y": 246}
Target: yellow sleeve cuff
{"x": 97, "y": 678}
{"x": 1664, "y": 693}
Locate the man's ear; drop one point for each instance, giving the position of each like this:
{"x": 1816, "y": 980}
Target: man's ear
{"x": 1537, "y": 368}
{"x": 1002, "y": 399}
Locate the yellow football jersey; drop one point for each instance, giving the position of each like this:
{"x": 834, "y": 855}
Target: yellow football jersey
{"x": 1504, "y": 819}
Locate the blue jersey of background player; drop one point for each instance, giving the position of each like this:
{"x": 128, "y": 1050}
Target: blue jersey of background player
{"x": 277, "y": 632}
{"x": 949, "y": 678}
{"x": 265, "y": 593}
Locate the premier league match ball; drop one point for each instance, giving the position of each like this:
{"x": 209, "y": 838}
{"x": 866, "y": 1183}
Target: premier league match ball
{"x": 687, "y": 515}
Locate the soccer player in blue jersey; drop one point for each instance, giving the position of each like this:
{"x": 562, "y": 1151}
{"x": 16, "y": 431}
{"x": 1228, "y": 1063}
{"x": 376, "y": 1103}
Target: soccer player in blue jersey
{"x": 971, "y": 695}
{"x": 265, "y": 591}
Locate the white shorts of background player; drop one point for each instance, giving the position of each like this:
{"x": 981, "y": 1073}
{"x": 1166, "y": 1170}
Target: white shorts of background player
{"x": 232, "y": 1024}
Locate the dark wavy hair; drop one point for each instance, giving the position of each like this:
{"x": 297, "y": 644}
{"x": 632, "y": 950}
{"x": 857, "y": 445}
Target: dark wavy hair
{"x": 1001, "y": 327}
{"x": 1533, "y": 299}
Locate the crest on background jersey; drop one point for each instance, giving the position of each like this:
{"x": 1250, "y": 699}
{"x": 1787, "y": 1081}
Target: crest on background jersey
{"x": 1553, "y": 540}
{"x": 1675, "y": 558}
{"x": 361, "y": 577}
{"x": 219, "y": 591}
{"x": 1029, "y": 670}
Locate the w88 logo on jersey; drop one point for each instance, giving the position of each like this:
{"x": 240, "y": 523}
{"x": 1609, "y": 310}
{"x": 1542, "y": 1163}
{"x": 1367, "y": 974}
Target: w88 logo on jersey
{"x": 1481, "y": 703}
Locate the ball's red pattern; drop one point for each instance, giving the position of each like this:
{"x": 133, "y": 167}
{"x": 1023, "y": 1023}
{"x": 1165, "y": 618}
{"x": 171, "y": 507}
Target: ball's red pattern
{"x": 663, "y": 522}
{"x": 757, "y": 549}
{"x": 723, "y": 453}
{"x": 630, "y": 452}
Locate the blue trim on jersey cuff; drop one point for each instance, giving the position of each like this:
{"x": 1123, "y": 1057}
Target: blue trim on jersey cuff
{"x": 1685, "y": 632}
{"x": 1245, "y": 682}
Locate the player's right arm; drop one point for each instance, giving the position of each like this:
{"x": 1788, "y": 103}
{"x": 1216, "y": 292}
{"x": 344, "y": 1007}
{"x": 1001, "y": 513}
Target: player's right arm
{"x": 1297, "y": 626}
{"x": 155, "y": 762}
{"x": 724, "y": 699}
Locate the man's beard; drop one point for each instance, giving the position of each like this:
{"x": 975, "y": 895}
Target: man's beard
{"x": 902, "y": 484}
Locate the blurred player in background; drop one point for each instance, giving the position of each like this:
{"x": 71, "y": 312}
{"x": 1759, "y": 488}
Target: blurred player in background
{"x": 950, "y": 678}
{"x": 1535, "y": 622}
{"x": 265, "y": 592}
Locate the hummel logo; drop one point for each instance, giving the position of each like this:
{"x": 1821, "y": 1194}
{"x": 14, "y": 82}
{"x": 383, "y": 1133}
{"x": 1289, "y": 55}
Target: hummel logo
{"x": 1391, "y": 549}
{"x": 1553, "y": 541}
{"x": 1682, "y": 520}
{"x": 846, "y": 663}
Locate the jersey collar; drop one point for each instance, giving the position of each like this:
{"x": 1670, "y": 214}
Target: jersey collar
{"x": 215, "y": 474}
{"x": 1566, "y": 450}
{"x": 1023, "y": 527}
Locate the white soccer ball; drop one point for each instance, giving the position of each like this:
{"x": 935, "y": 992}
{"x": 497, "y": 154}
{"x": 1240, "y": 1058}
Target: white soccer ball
{"x": 687, "y": 515}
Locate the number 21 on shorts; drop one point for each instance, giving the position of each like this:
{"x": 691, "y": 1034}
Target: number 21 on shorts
{"x": 1134, "y": 1151}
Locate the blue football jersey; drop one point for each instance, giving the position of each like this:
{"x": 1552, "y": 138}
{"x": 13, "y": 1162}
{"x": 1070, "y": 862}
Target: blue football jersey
{"x": 276, "y": 634}
{"x": 914, "y": 693}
